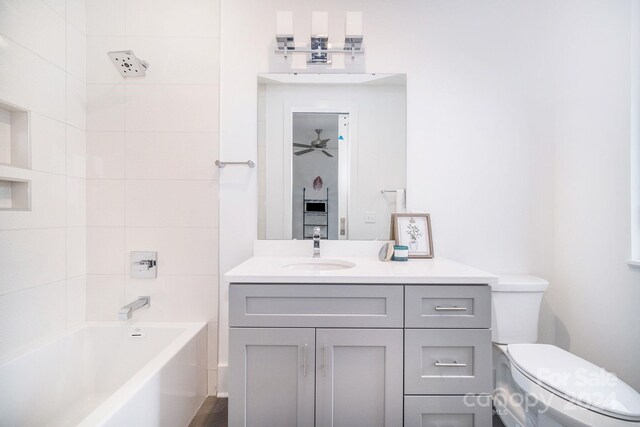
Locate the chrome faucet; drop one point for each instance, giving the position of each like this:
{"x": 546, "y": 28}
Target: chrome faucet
{"x": 316, "y": 242}
{"x": 126, "y": 311}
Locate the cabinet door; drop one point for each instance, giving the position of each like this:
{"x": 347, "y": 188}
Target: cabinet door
{"x": 359, "y": 377}
{"x": 271, "y": 377}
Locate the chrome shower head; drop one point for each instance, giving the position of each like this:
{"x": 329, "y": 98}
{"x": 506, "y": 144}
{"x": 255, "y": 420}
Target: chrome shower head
{"x": 128, "y": 64}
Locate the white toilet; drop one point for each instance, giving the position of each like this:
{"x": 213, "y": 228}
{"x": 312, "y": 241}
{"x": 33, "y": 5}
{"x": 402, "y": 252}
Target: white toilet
{"x": 543, "y": 385}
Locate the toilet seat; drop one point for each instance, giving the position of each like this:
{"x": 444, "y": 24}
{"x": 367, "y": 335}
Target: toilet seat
{"x": 575, "y": 380}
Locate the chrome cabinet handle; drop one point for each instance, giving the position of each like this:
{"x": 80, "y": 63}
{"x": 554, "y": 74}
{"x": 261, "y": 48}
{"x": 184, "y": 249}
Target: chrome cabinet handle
{"x": 324, "y": 360}
{"x": 455, "y": 364}
{"x": 305, "y": 351}
{"x": 454, "y": 308}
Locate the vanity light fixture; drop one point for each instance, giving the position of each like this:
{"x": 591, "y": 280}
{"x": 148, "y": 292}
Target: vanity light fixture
{"x": 319, "y": 50}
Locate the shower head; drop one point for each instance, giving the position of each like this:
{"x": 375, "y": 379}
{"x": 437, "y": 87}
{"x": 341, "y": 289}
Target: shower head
{"x": 128, "y": 64}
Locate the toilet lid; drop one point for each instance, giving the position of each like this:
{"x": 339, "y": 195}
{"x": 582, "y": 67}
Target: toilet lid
{"x": 576, "y": 380}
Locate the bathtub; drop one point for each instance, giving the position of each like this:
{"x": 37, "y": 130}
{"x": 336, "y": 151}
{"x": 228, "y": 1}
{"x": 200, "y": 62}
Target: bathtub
{"x": 108, "y": 374}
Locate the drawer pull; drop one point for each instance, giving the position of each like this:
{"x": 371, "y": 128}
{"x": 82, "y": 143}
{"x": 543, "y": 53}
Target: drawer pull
{"x": 454, "y": 308}
{"x": 455, "y": 364}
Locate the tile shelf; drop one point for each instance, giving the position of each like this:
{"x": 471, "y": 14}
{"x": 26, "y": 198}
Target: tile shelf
{"x": 15, "y": 155}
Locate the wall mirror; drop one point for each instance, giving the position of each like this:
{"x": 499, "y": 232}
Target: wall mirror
{"x": 332, "y": 154}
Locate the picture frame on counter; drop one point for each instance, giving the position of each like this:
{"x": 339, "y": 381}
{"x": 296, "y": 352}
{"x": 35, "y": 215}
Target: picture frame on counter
{"x": 413, "y": 230}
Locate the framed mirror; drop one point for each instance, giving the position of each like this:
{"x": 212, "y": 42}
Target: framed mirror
{"x": 331, "y": 154}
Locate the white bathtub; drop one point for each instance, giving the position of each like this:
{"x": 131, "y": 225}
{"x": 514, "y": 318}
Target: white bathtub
{"x": 100, "y": 375}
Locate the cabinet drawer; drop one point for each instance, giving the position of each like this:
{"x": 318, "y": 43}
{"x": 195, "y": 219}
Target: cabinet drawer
{"x": 448, "y": 306}
{"x": 375, "y": 306}
{"x": 447, "y": 361}
{"x": 454, "y": 411}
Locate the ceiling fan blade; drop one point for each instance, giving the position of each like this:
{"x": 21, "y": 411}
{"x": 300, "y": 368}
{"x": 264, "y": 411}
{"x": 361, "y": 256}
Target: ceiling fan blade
{"x": 324, "y": 141}
{"x": 299, "y": 153}
{"x": 327, "y": 153}
{"x": 295, "y": 144}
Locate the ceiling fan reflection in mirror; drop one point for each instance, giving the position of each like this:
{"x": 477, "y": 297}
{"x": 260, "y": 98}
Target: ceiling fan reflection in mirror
{"x": 316, "y": 144}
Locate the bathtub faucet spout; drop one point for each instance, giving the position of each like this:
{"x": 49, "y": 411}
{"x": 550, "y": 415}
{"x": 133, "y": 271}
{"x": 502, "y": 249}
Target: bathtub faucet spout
{"x": 126, "y": 311}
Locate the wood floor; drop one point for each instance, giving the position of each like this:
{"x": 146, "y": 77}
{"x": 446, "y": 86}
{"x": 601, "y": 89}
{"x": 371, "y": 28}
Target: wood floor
{"x": 213, "y": 413}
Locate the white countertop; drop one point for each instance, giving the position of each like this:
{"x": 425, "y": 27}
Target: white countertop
{"x": 367, "y": 269}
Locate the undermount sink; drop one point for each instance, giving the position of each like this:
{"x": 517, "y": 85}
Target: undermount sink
{"x": 320, "y": 265}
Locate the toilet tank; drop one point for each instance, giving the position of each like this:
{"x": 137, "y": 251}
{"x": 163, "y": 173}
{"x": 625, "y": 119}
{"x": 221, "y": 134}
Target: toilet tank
{"x": 515, "y": 306}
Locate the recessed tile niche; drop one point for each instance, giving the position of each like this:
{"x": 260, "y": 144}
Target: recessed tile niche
{"x": 14, "y": 153}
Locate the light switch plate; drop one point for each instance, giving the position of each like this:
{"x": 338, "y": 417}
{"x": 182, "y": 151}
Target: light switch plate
{"x": 370, "y": 218}
{"x": 144, "y": 264}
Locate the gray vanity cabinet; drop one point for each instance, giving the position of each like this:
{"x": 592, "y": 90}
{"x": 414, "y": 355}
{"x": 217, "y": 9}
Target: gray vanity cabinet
{"x": 331, "y": 355}
{"x": 273, "y": 377}
{"x": 358, "y": 377}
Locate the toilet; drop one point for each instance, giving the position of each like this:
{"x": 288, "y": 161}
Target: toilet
{"x": 543, "y": 385}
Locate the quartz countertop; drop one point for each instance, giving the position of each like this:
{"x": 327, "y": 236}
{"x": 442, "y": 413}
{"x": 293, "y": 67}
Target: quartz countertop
{"x": 367, "y": 269}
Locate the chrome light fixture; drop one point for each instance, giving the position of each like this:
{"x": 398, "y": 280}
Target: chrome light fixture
{"x": 319, "y": 50}
{"x": 353, "y": 31}
{"x": 319, "y": 38}
{"x": 284, "y": 31}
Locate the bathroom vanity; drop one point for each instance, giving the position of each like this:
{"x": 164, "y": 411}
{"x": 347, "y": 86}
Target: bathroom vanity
{"x": 352, "y": 341}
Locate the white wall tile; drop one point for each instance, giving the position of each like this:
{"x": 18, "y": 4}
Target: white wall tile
{"x": 181, "y": 108}
{"x": 100, "y": 69}
{"x": 170, "y": 300}
{"x": 106, "y": 155}
{"x": 23, "y": 323}
{"x": 186, "y": 251}
{"x": 76, "y": 300}
{"x": 171, "y": 155}
{"x": 77, "y": 14}
{"x": 36, "y": 26}
{"x": 105, "y": 107}
{"x": 178, "y": 60}
{"x": 58, "y": 6}
{"x": 39, "y": 86}
{"x": 212, "y": 382}
{"x": 105, "y": 18}
{"x": 169, "y": 18}
{"x": 76, "y": 53}
{"x": 105, "y": 203}
{"x": 105, "y": 251}
{"x": 76, "y": 152}
{"x": 105, "y": 296}
{"x": 76, "y": 102}
{"x": 31, "y": 257}
{"x": 76, "y": 202}
{"x": 76, "y": 256}
{"x": 171, "y": 203}
{"x": 48, "y": 141}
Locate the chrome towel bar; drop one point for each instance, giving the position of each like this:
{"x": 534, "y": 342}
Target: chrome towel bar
{"x": 249, "y": 163}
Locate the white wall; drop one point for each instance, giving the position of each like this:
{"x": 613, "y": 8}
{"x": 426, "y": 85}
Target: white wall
{"x": 479, "y": 141}
{"x": 42, "y": 251}
{"x": 152, "y": 142}
{"x": 593, "y": 300}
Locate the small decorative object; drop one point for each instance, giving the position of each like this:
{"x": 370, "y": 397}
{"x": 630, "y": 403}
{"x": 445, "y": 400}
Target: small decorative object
{"x": 413, "y": 230}
{"x": 400, "y": 253}
{"x": 317, "y": 183}
{"x": 386, "y": 252}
